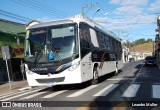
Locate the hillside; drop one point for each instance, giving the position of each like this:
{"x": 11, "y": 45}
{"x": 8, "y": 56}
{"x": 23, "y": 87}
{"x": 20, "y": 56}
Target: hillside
{"x": 146, "y": 47}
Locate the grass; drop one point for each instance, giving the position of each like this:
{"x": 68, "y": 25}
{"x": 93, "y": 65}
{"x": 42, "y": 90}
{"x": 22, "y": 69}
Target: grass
{"x": 146, "y": 47}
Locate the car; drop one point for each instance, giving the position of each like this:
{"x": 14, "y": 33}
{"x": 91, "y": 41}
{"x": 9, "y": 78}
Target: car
{"x": 150, "y": 60}
{"x": 131, "y": 59}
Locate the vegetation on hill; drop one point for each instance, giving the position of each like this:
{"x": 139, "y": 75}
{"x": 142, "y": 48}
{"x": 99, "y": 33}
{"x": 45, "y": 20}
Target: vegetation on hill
{"x": 137, "y": 42}
{"x": 140, "y": 45}
{"x": 146, "y": 47}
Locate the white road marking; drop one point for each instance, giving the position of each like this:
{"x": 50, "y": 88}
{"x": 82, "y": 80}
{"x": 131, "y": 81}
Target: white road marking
{"x": 155, "y": 91}
{"x": 7, "y": 94}
{"x": 131, "y": 90}
{"x": 34, "y": 95}
{"x": 54, "y": 94}
{"x": 117, "y": 79}
{"x": 80, "y": 92}
{"x": 20, "y": 95}
{"x": 12, "y": 93}
{"x": 106, "y": 90}
{"x": 25, "y": 88}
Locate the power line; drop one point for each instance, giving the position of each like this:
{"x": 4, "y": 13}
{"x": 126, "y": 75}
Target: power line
{"x": 49, "y": 7}
{"x": 30, "y": 6}
{"x": 39, "y": 7}
{"x": 15, "y": 16}
{"x": 141, "y": 34}
{"x": 88, "y": 10}
{"x": 12, "y": 17}
{"x": 99, "y": 3}
{"x": 85, "y": 2}
{"x": 33, "y": 6}
{"x": 137, "y": 16}
{"x": 120, "y": 24}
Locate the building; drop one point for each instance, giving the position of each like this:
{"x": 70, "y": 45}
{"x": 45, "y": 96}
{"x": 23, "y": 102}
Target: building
{"x": 125, "y": 54}
{"x": 139, "y": 55}
{"x": 11, "y": 35}
{"x": 140, "y": 52}
{"x": 157, "y": 41}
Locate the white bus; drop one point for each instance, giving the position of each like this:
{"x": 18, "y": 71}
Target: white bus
{"x": 70, "y": 51}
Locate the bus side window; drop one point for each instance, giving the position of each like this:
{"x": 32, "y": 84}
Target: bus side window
{"x": 111, "y": 44}
{"x": 107, "y": 57}
{"x": 101, "y": 40}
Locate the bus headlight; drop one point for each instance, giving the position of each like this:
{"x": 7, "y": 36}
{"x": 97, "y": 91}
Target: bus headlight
{"x": 74, "y": 66}
{"x": 29, "y": 72}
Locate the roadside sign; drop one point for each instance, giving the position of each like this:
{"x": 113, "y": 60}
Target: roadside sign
{"x": 5, "y": 52}
{"x": 6, "y": 56}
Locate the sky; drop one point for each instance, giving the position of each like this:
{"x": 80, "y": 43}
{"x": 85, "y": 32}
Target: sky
{"x": 129, "y": 19}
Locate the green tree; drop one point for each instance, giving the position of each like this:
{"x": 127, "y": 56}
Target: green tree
{"x": 140, "y": 41}
{"x": 149, "y": 40}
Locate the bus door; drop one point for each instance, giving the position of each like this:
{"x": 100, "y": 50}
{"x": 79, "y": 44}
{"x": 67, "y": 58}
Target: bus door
{"x": 85, "y": 46}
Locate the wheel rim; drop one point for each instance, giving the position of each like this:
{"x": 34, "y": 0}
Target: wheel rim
{"x": 116, "y": 72}
{"x": 95, "y": 76}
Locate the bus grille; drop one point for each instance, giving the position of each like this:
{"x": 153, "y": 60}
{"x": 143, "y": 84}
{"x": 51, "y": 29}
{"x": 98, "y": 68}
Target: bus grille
{"x": 50, "y": 80}
{"x": 47, "y": 73}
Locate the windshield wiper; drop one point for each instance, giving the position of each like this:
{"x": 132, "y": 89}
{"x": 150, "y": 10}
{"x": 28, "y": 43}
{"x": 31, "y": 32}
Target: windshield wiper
{"x": 36, "y": 57}
{"x": 37, "y": 54}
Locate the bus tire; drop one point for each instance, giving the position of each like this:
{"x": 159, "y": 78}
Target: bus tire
{"x": 95, "y": 76}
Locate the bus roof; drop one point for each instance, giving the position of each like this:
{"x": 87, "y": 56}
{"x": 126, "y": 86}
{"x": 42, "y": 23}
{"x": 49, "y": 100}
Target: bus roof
{"x": 76, "y": 19}
{"x": 50, "y": 23}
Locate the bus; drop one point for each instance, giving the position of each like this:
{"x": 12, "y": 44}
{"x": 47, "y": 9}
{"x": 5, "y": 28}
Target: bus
{"x": 70, "y": 51}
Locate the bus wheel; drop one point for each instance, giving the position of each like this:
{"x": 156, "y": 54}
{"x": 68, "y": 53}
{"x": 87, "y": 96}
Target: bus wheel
{"x": 95, "y": 77}
{"x": 116, "y": 71}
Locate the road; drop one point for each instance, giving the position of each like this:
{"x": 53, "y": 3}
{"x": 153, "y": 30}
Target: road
{"x": 136, "y": 87}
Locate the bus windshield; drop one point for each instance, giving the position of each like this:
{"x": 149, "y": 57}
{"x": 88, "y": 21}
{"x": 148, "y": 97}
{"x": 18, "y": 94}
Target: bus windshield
{"x": 58, "y": 41}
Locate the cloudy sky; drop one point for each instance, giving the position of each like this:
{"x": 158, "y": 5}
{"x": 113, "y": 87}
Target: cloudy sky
{"x": 130, "y": 19}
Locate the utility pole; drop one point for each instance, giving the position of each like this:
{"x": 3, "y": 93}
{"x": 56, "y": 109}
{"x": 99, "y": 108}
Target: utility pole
{"x": 153, "y": 48}
{"x": 87, "y": 6}
{"x": 95, "y": 13}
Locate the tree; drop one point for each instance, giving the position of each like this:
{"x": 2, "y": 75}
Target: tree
{"x": 127, "y": 44}
{"x": 140, "y": 41}
{"x": 149, "y": 40}
{"x": 137, "y": 42}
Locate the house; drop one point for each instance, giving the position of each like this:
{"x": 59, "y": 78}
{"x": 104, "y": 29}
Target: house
{"x": 140, "y": 52}
{"x": 125, "y": 54}
{"x": 11, "y": 35}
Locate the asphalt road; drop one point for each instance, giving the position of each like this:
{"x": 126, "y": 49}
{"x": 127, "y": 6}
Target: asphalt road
{"x": 136, "y": 87}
